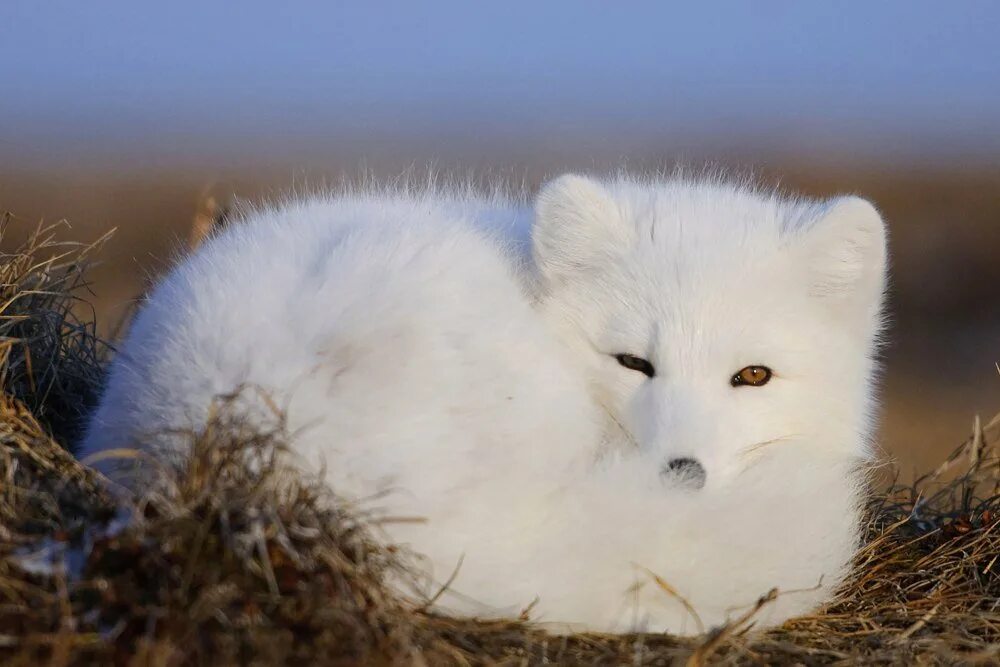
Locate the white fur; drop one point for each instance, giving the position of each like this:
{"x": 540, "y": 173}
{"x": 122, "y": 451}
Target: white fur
{"x": 396, "y": 329}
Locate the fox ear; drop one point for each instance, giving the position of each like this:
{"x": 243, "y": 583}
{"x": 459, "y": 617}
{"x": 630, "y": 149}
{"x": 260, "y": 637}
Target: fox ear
{"x": 846, "y": 249}
{"x": 576, "y": 222}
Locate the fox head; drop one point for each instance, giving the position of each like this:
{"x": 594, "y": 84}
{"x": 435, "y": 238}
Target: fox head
{"x": 719, "y": 326}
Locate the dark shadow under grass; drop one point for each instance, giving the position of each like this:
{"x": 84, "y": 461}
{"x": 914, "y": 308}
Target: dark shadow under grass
{"x": 234, "y": 558}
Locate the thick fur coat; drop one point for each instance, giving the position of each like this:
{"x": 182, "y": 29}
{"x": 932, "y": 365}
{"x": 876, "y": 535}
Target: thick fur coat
{"x": 420, "y": 345}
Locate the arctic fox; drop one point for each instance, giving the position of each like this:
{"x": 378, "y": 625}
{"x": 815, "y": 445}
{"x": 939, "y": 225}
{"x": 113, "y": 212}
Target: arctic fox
{"x": 647, "y": 417}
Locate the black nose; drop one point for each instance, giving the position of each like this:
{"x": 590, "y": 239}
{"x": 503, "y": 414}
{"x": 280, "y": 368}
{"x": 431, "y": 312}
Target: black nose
{"x": 688, "y": 472}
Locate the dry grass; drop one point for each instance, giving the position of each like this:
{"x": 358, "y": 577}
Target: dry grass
{"x": 51, "y": 359}
{"x": 234, "y": 559}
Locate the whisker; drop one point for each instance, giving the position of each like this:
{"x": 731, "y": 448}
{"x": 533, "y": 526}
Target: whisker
{"x": 628, "y": 434}
{"x": 752, "y": 449}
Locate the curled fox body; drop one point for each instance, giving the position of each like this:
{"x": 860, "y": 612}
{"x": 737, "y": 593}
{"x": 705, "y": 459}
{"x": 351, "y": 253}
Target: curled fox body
{"x": 633, "y": 404}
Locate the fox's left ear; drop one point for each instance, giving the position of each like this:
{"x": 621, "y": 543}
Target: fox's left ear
{"x": 846, "y": 255}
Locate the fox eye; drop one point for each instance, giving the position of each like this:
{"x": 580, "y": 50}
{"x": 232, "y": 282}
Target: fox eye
{"x": 751, "y": 376}
{"x": 634, "y": 363}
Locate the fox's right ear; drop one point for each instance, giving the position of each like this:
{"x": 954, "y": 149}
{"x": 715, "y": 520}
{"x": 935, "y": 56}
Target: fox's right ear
{"x": 576, "y": 224}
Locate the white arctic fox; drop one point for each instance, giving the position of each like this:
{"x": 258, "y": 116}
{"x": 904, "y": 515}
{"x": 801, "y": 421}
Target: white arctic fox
{"x": 651, "y": 419}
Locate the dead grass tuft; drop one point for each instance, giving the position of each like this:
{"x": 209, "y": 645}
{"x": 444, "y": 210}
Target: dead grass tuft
{"x": 51, "y": 358}
{"x": 233, "y": 558}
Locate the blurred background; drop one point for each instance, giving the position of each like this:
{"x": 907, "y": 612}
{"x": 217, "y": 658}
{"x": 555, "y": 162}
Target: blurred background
{"x": 118, "y": 114}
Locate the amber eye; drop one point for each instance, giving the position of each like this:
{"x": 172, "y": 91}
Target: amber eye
{"x": 636, "y": 364}
{"x": 753, "y": 376}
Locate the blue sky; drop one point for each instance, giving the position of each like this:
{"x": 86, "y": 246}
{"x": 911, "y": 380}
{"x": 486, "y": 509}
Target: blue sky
{"x": 129, "y": 72}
